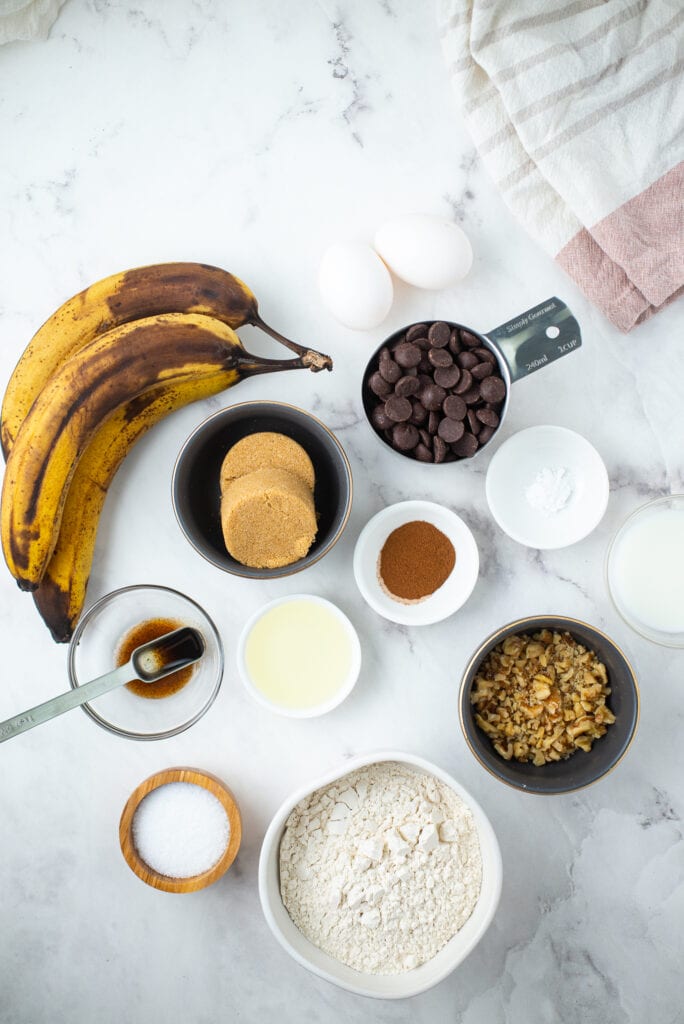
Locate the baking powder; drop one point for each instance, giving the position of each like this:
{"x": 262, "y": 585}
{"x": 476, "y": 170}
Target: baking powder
{"x": 381, "y": 868}
{"x": 551, "y": 490}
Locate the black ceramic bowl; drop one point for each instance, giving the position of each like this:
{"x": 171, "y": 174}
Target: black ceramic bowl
{"x": 196, "y": 480}
{"x": 580, "y": 769}
{"x": 370, "y": 400}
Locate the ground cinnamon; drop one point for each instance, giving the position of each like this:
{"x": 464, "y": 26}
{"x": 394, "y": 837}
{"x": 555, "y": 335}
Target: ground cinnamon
{"x": 416, "y": 559}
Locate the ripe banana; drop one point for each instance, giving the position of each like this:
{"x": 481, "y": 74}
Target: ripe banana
{"x": 61, "y": 594}
{"x": 106, "y": 373}
{"x": 120, "y": 299}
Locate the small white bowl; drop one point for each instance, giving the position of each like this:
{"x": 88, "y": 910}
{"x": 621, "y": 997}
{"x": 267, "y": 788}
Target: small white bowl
{"x": 396, "y": 986}
{"x": 318, "y": 709}
{"x": 514, "y": 468}
{"x": 453, "y": 593}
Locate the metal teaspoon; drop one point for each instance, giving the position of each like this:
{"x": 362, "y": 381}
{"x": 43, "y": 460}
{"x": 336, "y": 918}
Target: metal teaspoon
{"x": 148, "y": 663}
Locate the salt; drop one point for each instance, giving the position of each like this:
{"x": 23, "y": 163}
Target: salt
{"x": 180, "y": 829}
{"x": 551, "y": 490}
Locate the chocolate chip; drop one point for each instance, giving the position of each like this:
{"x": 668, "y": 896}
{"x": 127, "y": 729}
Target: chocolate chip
{"x": 469, "y": 340}
{"x": 406, "y": 386}
{"x": 455, "y": 345}
{"x": 407, "y": 354}
{"x": 389, "y": 370}
{"x": 416, "y": 331}
{"x": 422, "y": 453}
{"x": 486, "y": 355}
{"x": 425, "y": 438}
{"x": 405, "y": 436}
{"x": 440, "y": 449}
{"x": 419, "y": 414}
{"x": 473, "y": 422}
{"x": 439, "y": 334}
{"x": 411, "y": 371}
{"x": 439, "y": 357}
{"x": 380, "y": 419}
{"x": 379, "y": 386}
{"x": 493, "y": 389}
{"x": 398, "y": 409}
{"x": 433, "y": 422}
{"x": 464, "y": 384}
{"x": 454, "y": 407}
{"x": 432, "y": 396}
{"x": 486, "y": 434}
{"x": 384, "y": 354}
{"x": 489, "y": 417}
{"x": 447, "y": 376}
{"x": 422, "y": 343}
{"x": 467, "y": 360}
{"x": 472, "y": 396}
{"x": 426, "y": 380}
{"x": 466, "y": 446}
{"x": 451, "y": 430}
{"x": 425, "y": 366}
{"x": 481, "y": 371}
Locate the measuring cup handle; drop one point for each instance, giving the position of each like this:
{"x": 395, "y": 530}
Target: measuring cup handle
{"x": 537, "y": 337}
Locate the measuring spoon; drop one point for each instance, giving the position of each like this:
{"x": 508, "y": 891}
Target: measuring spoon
{"x": 149, "y": 663}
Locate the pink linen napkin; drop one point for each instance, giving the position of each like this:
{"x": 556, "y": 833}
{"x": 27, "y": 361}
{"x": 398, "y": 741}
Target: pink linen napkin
{"x": 577, "y": 109}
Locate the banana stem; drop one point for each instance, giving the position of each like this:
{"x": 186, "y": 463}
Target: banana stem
{"x": 251, "y": 365}
{"x": 309, "y": 357}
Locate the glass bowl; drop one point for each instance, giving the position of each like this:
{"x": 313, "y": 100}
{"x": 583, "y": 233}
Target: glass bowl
{"x": 93, "y": 649}
{"x": 645, "y": 564}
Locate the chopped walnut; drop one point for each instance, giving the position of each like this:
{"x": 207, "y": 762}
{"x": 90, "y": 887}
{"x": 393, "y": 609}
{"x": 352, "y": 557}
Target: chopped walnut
{"x": 540, "y": 698}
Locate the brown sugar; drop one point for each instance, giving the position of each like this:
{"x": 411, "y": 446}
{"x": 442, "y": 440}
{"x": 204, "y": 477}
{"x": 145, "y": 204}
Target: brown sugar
{"x": 268, "y": 518}
{"x": 266, "y": 450}
{"x": 416, "y": 559}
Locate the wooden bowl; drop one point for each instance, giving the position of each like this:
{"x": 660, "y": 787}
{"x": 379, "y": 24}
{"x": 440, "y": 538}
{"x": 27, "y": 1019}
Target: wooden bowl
{"x": 165, "y": 882}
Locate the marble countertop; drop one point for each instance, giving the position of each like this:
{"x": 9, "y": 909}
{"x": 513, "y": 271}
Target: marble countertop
{"x": 250, "y": 135}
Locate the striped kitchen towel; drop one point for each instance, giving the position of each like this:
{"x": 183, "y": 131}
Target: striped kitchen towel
{"x": 577, "y": 109}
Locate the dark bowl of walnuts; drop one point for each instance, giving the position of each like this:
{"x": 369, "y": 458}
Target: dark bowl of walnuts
{"x": 436, "y": 391}
{"x": 549, "y": 704}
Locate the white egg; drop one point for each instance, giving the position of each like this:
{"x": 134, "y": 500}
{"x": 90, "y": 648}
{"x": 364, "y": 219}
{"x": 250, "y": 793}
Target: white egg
{"x": 355, "y": 285}
{"x": 425, "y": 251}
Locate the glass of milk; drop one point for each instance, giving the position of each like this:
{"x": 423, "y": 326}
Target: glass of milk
{"x": 645, "y": 570}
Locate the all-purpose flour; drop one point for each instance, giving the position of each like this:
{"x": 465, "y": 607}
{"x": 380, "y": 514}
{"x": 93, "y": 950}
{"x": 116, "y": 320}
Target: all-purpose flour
{"x": 381, "y": 868}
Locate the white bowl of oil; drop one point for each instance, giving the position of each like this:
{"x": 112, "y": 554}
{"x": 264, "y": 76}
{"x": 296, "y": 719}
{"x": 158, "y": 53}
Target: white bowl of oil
{"x": 299, "y": 656}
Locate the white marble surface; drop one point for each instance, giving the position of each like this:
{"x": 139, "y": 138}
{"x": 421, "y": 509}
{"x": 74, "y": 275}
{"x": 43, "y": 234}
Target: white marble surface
{"x": 249, "y": 135}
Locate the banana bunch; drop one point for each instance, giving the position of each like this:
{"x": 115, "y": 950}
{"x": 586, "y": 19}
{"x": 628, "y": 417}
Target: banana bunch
{"x": 107, "y": 366}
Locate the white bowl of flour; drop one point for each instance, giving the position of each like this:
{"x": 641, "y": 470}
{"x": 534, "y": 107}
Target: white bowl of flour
{"x": 382, "y": 876}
